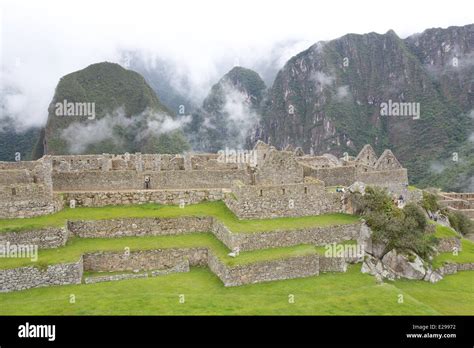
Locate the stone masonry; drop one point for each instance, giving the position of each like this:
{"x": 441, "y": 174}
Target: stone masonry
{"x": 276, "y": 183}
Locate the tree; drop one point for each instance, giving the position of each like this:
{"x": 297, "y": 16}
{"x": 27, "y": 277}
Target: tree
{"x": 402, "y": 229}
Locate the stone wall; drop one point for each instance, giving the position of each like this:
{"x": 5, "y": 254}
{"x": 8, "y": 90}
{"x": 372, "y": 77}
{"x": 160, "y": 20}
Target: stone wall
{"x": 143, "y": 260}
{"x": 154, "y": 162}
{"x": 455, "y": 206}
{"x": 294, "y": 267}
{"x": 181, "y": 267}
{"x": 210, "y": 161}
{"x": 460, "y": 202}
{"x": 44, "y": 238}
{"x": 28, "y": 201}
{"x": 33, "y": 277}
{"x": 103, "y": 198}
{"x": 332, "y": 264}
{"x": 455, "y": 203}
{"x": 244, "y": 241}
{"x": 165, "y": 261}
{"x": 139, "y": 227}
{"x": 313, "y": 236}
{"x": 258, "y": 202}
{"x": 453, "y": 268}
{"x": 462, "y": 195}
{"x": 336, "y": 176}
{"x": 114, "y": 277}
{"x": 133, "y": 180}
{"x": 395, "y": 180}
{"x": 278, "y": 167}
{"x": 465, "y": 266}
{"x": 16, "y": 176}
{"x": 447, "y": 245}
{"x": 229, "y": 239}
{"x": 113, "y": 228}
{"x": 26, "y": 189}
{"x": 415, "y": 195}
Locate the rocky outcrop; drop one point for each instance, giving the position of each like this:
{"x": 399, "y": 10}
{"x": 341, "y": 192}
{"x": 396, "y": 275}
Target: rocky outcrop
{"x": 395, "y": 265}
{"x": 326, "y": 98}
{"x": 403, "y": 267}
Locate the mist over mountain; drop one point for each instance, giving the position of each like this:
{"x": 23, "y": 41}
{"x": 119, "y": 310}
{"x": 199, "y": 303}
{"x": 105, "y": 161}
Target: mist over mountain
{"x": 164, "y": 76}
{"x": 328, "y": 98}
{"x": 127, "y": 115}
{"x": 229, "y": 113}
{"x": 13, "y": 140}
{"x": 177, "y": 85}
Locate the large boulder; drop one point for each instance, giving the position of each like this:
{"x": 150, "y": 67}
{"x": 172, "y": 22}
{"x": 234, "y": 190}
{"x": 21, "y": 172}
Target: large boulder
{"x": 394, "y": 266}
{"x": 375, "y": 249}
{"x": 433, "y": 276}
{"x": 405, "y": 266}
{"x": 375, "y": 267}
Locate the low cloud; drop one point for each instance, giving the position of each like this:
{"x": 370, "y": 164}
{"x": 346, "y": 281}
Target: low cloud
{"x": 80, "y": 135}
{"x": 342, "y": 93}
{"x": 242, "y": 118}
{"x": 437, "y": 167}
{"x": 322, "y": 80}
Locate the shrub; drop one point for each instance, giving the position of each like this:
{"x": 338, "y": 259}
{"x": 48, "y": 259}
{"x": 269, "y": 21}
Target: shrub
{"x": 402, "y": 229}
{"x": 430, "y": 202}
{"x": 460, "y": 222}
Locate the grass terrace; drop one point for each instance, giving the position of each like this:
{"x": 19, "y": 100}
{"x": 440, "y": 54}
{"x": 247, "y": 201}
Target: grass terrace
{"x": 215, "y": 209}
{"x": 76, "y": 247}
{"x": 351, "y": 293}
{"x": 464, "y": 256}
{"x": 444, "y": 232}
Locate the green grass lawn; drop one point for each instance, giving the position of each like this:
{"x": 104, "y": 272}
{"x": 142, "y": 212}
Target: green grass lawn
{"x": 445, "y": 232}
{"x": 351, "y": 293}
{"x": 76, "y": 247}
{"x": 464, "y": 256}
{"x": 216, "y": 209}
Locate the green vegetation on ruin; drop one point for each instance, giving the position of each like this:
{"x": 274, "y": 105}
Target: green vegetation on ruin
{"x": 466, "y": 255}
{"x": 351, "y": 293}
{"x": 76, "y": 247}
{"x": 215, "y": 209}
{"x": 444, "y": 232}
{"x": 116, "y": 92}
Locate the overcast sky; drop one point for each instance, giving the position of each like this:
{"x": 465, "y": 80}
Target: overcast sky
{"x": 42, "y": 40}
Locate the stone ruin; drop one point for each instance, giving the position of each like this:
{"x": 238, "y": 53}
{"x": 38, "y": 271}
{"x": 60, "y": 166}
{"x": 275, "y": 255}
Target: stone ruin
{"x": 26, "y": 189}
{"x": 461, "y": 202}
{"x": 265, "y": 183}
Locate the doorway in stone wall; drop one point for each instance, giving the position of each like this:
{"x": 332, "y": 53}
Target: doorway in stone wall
{"x": 147, "y": 182}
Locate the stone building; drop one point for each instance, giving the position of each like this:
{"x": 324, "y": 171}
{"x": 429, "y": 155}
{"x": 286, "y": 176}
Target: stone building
{"x": 274, "y": 183}
{"x": 26, "y": 189}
